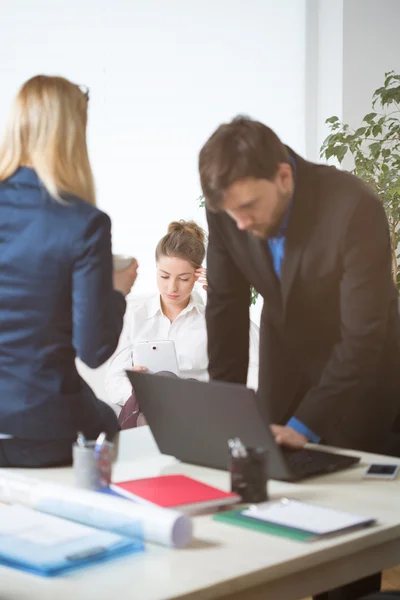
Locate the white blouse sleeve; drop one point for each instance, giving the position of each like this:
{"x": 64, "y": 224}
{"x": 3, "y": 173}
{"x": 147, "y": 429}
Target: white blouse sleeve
{"x": 252, "y": 374}
{"x": 117, "y": 384}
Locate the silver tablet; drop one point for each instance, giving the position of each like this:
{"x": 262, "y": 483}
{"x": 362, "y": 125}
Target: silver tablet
{"x": 156, "y": 356}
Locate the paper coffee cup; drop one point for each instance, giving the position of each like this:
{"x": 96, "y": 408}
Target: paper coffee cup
{"x": 121, "y": 262}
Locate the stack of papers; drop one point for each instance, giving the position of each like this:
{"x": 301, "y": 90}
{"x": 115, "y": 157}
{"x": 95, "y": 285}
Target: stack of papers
{"x": 296, "y": 520}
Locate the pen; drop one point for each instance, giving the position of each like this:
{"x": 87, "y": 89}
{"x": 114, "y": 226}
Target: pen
{"x": 81, "y": 440}
{"x": 241, "y": 448}
{"x": 232, "y": 447}
{"x": 237, "y": 448}
{"x": 99, "y": 444}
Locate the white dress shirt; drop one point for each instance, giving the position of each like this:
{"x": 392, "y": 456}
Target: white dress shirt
{"x": 145, "y": 321}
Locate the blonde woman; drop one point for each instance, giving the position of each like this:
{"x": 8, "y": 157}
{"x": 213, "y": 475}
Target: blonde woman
{"x": 57, "y": 298}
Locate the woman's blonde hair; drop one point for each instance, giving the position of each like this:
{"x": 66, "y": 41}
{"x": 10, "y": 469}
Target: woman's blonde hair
{"x": 47, "y": 131}
{"x": 185, "y": 239}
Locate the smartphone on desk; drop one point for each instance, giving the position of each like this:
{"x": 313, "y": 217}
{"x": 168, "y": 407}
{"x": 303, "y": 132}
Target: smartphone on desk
{"x": 381, "y": 471}
{"x": 156, "y": 356}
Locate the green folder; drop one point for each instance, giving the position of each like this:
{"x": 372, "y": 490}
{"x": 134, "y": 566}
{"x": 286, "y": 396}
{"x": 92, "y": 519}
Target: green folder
{"x": 234, "y": 517}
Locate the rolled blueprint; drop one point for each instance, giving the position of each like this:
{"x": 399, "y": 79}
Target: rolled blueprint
{"x": 152, "y": 523}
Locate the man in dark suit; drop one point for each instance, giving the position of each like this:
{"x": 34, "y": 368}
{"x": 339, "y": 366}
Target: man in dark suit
{"x": 314, "y": 242}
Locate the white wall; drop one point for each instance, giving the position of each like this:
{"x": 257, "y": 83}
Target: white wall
{"x": 350, "y": 46}
{"x": 330, "y": 65}
{"x": 371, "y": 47}
{"x": 324, "y": 73}
{"x": 162, "y": 76}
{"x": 172, "y": 75}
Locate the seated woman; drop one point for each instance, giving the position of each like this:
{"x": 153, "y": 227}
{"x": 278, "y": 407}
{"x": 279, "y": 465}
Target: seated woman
{"x": 175, "y": 313}
{"x": 57, "y": 299}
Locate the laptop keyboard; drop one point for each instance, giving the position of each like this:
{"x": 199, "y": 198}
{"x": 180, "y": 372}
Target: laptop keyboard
{"x": 306, "y": 463}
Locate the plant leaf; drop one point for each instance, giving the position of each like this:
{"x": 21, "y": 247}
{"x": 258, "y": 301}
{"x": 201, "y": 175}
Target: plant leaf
{"x": 341, "y": 152}
{"x": 369, "y": 117}
{"x": 332, "y": 119}
{"x": 375, "y": 149}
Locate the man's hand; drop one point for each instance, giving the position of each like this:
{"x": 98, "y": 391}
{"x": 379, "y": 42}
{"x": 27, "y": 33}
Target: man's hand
{"x": 286, "y": 436}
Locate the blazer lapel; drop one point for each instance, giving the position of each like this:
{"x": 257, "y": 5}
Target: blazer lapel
{"x": 301, "y": 222}
{"x": 258, "y": 249}
{"x": 269, "y": 284}
{"x": 254, "y": 260}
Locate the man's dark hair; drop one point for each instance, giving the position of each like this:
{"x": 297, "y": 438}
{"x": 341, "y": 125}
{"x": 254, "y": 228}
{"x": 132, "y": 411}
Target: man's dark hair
{"x": 236, "y": 150}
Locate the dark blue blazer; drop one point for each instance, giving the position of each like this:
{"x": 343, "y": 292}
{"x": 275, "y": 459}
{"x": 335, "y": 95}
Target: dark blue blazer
{"x": 56, "y": 302}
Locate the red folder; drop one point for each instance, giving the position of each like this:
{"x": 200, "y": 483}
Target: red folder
{"x": 175, "y": 491}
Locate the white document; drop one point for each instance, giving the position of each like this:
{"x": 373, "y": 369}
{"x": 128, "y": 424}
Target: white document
{"x": 307, "y": 517}
{"x": 46, "y": 545}
{"x": 32, "y": 526}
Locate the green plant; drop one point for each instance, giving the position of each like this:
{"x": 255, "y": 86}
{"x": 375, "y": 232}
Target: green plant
{"x": 253, "y": 292}
{"x": 375, "y": 150}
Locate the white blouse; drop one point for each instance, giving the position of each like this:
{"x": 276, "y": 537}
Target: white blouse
{"x": 145, "y": 321}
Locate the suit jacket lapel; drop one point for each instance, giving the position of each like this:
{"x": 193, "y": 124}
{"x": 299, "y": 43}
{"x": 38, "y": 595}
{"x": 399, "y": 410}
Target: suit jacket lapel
{"x": 259, "y": 250}
{"x": 270, "y": 287}
{"x": 300, "y": 224}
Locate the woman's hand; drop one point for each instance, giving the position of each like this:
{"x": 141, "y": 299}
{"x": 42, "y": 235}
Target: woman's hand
{"x": 124, "y": 279}
{"x": 136, "y": 369}
{"x": 201, "y": 277}
{"x": 141, "y": 420}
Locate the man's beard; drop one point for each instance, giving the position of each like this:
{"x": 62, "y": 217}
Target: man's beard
{"x": 259, "y": 234}
{"x": 270, "y": 231}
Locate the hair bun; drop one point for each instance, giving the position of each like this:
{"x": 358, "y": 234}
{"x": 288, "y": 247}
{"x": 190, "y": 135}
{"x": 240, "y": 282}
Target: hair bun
{"x": 185, "y": 240}
{"x": 189, "y": 227}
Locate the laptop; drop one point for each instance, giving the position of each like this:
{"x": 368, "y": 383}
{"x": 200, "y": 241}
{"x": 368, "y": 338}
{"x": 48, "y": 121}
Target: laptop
{"x": 193, "y": 421}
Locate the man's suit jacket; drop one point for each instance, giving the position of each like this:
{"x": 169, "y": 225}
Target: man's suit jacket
{"x": 329, "y": 339}
{"x": 56, "y": 302}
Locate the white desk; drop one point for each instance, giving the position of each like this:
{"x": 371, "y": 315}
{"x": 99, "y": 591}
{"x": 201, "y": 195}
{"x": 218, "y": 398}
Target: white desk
{"x": 227, "y": 561}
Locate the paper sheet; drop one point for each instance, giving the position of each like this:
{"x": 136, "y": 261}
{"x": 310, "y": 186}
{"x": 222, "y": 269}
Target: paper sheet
{"x": 307, "y": 517}
{"x": 33, "y": 526}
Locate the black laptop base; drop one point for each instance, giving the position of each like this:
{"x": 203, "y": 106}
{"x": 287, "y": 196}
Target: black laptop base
{"x": 193, "y": 421}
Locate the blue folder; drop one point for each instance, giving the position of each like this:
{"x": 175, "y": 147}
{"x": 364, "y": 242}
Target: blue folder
{"x": 46, "y": 545}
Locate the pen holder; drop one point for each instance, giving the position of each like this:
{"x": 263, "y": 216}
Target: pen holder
{"x": 92, "y": 471}
{"x": 249, "y": 475}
